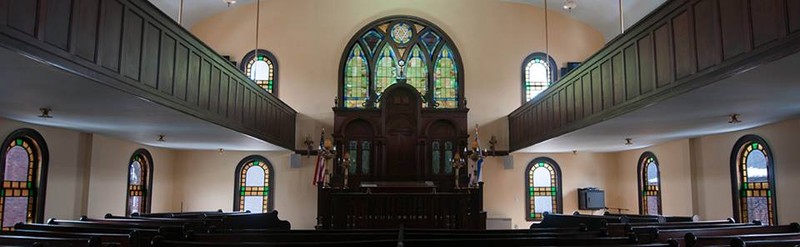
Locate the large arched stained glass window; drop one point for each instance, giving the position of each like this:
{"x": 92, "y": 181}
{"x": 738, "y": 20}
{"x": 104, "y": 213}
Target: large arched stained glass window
{"x": 24, "y": 171}
{"x": 253, "y": 190}
{"x": 649, "y": 185}
{"x": 538, "y": 73}
{"x": 140, "y": 183}
{"x": 401, "y": 49}
{"x": 543, "y": 188}
{"x": 753, "y": 181}
{"x": 262, "y": 67}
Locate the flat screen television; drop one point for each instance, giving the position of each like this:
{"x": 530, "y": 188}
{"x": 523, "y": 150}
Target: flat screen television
{"x": 591, "y": 199}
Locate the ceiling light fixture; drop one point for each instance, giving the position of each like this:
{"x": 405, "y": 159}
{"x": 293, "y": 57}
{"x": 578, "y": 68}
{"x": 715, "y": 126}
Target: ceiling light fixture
{"x": 733, "y": 118}
{"x": 569, "y": 5}
{"x": 45, "y": 112}
{"x": 161, "y": 138}
{"x": 628, "y": 141}
{"x": 229, "y": 2}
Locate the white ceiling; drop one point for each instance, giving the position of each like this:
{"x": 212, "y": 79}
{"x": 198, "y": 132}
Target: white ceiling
{"x": 84, "y": 105}
{"x": 763, "y": 95}
{"x": 603, "y": 15}
{"x": 195, "y": 10}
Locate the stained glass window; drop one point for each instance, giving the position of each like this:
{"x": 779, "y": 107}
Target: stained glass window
{"x": 352, "y": 149}
{"x": 448, "y": 157}
{"x": 140, "y": 184}
{"x": 385, "y": 70}
{"x": 543, "y": 188}
{"x": 538, "y": 73}
{"x": 365, "y": 146}
{"x": 649, "y": 185}
{"x": 24, "y": 153}
{"x": 435, "y": 157}
{"x": 356, "y": 84}
{"x": 262, "y": 67}
{"x": 253, "y": 185}
{"x": 445, "y": 89}
{"x": 404, "y": 50}
{"x": 417, "y": 70}
{"x": 755, "y": 181}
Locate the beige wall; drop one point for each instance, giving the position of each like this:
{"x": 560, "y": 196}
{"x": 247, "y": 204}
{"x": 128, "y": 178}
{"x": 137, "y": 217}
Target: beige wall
{"x": 676, "y": 180}
{"x": 504, "y": 194}
{"x": 712, "y": 165}
{"x": 109, "y": 175}
{"x": 204, "y": 180}
{"x": 66, "y": 168}
{"x": 308, "y": 37}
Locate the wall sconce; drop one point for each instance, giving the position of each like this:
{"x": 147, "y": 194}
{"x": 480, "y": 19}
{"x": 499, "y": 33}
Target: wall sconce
{"x": 309, "y": 144}
{"x": 492, "y": 143}
{"x": 161, "y": 138}
{"x": 229, "y": 2}
{"x": 628, "y": 141}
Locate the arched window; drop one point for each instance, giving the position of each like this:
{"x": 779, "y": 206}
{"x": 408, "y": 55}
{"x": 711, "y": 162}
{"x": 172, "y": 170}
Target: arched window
{"x": 24, "y": 172}
{"x": 538, "y": 73}
{"x": 649, "y": 185}
{"x": 401, "y": 49}
{"x": 543, "y": 188}
{"x": 262, "y": 67}
{"x": 253, "y": 190}
{"x": 140, "y": 182}
{"x": 753, "y": 181}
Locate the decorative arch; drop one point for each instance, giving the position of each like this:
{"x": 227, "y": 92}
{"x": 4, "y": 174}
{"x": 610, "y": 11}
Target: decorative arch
{"x": 753, "y": 180}
{"x": 253, "y": 189}
{"x": 649, "y": 174}
{"x": 262, "y": 67}
{"x": 539, "y": 71}
{"x": 359, "y": 139}
{"x": 140, "y": 183}
{"x": 401, "y": 49}
{"x": 24, "y": 160}
{"x": 543, "y": 188}
{"x": 443, "y": 136}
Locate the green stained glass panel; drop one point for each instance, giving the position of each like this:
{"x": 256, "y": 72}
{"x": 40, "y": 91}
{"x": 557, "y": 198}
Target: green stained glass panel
{"x": 356, "y": 80}
{"x": 353, "y": 150}
{"x": 385, "y": 69}
{"x": 445, "y": 80}
{"x": 417, "y": 70}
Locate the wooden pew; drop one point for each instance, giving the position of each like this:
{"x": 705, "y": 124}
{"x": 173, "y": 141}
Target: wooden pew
{"x": 770, "y": 243}
{"x": 9, "y": 240}
{"x": 637, "y": 218}
{"x": 692, "y": 240}
{"x": 105, "y": 239}
{"x": 679, "y": 234}
{"x": 623, "y": 229}
{"x": 592, "y": 222}
{"x": 649, "y": 233}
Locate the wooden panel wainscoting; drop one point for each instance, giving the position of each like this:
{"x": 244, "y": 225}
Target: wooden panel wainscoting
{"x": 132, "y": 46}
{"x": 680, "y": 46}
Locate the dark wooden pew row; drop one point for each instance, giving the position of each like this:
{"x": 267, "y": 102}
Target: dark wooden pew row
{"x": 648, "y": 234}
{"x": 770, "y": 243}
{"x": 208, "y": 221}
{"x": 592, "y": 222}
{"x": 10, "y": 240}
{"x": 104, "y": 239}
{"x": 623, "y": 229}
{"x": 636, "y": 218}
{"x": 137, "y": 236}
{"x": 692, "y": 240}
{"x": 679, "y": 234}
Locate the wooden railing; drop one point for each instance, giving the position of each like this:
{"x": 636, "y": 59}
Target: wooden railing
{"x": 681, "y": 46}
{"x": 132, "y": 46}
